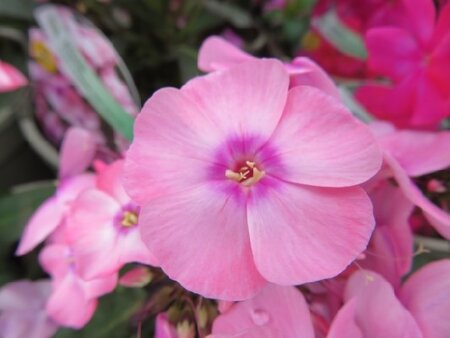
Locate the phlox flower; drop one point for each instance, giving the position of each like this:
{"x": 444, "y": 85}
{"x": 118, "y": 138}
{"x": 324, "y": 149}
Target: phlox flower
{"x": 76, "y": 155}
{"x": 416, "y": 62}
{"x": 237, "y": 170}
{"x": 419, "y": 309}
{"x": 102, "y": 227}
{"x": 164, "y": 329}
{"x": 277, "y": 311}
{"x": 219, "y": 54}
{"x": 22, "y": 310}
{"x": 10, "y": 78}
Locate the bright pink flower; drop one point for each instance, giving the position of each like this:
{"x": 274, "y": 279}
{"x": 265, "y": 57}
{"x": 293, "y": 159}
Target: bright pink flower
{"x": 114, "y": 240}
{"x": 419, "y": 309}
{"x": 136, "y": 277}
{"x": 277, "y": 311}
{"x": 22, "y": 310}
{"x": 76, "y": 155}
{"x": 73, "y": 300}
{"x": 218, "y": 54}
{"x": 10, "y": 78}
{"x": 236, "y": 169}
{"x": 415, "y": 60}
{"x": 408, "y": 154}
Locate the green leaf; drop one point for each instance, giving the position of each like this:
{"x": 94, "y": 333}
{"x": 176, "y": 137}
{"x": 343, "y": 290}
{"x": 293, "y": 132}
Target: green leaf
{"x": 341, "y": 37}
{"x": 17, "y": 9}
{"x": 17, "y": 207}
{"x": 233, "y": 14}
{"x": 113, "y": 317}
{"x": 349, "y": 100}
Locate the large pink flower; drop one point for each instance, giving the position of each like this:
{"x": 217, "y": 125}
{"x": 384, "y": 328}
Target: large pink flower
{"x": 242, "y": 181}
{"x": 415, "y": 60}
{"x": 277, "y": 311}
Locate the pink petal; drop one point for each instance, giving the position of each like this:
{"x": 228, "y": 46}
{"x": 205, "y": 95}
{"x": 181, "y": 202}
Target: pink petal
{"x": 91, "y": 232}
{"x": 217, "y": 53}
{"x": 109, "y": 180}
{"x": 275, "y": 312}
{"x": 77, "y": 152}
{"x": 390, "y": 250}
{"x": 393, "y": 52}
{"x": 436, "y": 216}
{"x": 422, "y": 17}
{"x": 10, "y": 78}
{"x": 344, "y": 324}
{"x": 199, "y": 235}
{"x": 419, "y": 153}
{"x": 163, "y": 327}
{"x": 305, "y": 72}
{"x": 245, "y": 100}
{"x": 136, "y": 278}
{"x": 43, "y": 222}
{"x": 426, "y": 294}
{"x": 169, "y": 132}
{"x": 318, "y": 142}
{"x": 301, "y": 234}
{"x": 378, "y": 312}
{"x": 68, "y": 305}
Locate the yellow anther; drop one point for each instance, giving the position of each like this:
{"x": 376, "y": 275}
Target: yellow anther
{"x": 250, "y": 164}
{"x": 233, "y": 175}
{"x": 129, "y": 219}
{"x": 257, "y": 175}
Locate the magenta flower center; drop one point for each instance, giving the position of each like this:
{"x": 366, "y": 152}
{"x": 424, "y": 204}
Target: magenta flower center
{"x": 246, "y": 173}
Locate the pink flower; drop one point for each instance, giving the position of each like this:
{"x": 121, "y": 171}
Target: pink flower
{"x": 415, "y": 60}
{"x": 73, "y": 300}
{"x": 419, "y": 309}
{"x": 277, "y": 311}
{"x": 77, "y": 152}
{"x": 237, "y": 170}
{"x": 164, "y": 329}
{"x": 390, "y": 250}
{"x": 10, "y": 78}
{"x": 114, "y": 240}
{"x": 22, "y": 310}
{"x": 218, "y": 54}
{"x": 408, "y": 154}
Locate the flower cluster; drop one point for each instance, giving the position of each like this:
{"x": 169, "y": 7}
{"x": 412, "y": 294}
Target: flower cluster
{"x": 262, "y": 205}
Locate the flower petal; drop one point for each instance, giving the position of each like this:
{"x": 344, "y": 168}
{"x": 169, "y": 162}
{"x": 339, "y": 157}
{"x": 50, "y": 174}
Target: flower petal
{"x": 217, "y": 53}
{"x": 279, "y": 310}
{"x": 92, "y": 234}
{"x": 426, "y": 294}
{"x": 301, "y": 234}
{"x": 199, "y": 236}
{"x": 318, "y": 142}
{"x": 10, "y": 78}
{"x": 77, "y": 152}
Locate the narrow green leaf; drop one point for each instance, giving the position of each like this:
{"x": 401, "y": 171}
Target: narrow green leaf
{"x": 233, "y": 14}
{"x": 17, "y": 207}
{"x": 341, "y": 37}
{"x": 17, "y": 9}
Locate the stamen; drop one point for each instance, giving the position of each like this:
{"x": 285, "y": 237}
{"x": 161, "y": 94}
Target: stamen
{"x": 257, "y": 175}
{"x": 129, "y": 219}
{"x": 233, "y": 175}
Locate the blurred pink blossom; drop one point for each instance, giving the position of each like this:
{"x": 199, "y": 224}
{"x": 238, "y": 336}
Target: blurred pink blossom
{"x": 10, "y": 78}
{"x": 22, "y": 310}
{"x": 237, "y": 169}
